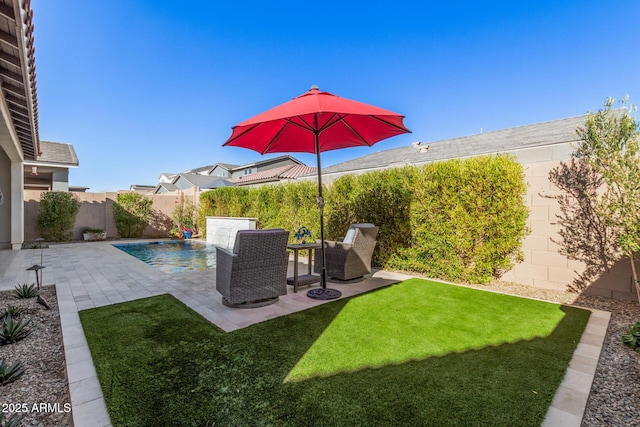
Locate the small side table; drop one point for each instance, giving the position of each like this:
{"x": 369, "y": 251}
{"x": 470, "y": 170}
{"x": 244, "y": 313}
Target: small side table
{"x": 305, "y": 279}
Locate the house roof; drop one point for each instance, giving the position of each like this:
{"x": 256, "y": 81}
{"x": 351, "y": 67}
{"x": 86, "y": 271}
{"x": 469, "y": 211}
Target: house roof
{"x": 217, "y": 183}
{"x": 227, "y": 166}
{"x": 57, "y": 152}
{"x": 195, "y": 179}
{"x": 200, "y": 169}
{"x": 18, "y": 73}
{"x": 267, "y": 161}
{"x": 500, "y": 141}
{"x": 282, "y": 172}
{"x": 167, "y": 186}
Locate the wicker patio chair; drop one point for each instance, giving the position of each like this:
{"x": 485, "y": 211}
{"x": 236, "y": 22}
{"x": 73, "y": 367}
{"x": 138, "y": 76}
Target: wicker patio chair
{"x": 350, "y": 258}
{"x": 254, "y": 274}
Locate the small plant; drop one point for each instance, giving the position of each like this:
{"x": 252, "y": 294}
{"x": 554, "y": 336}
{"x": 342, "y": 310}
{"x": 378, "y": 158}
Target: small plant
{"x": 302, "y": 233}
{"x": 9, "y": 374}
{"x": 13, "y": 330}
{"x": 182, "y": 217}
{"x": 10, "y": 311}
{"x": 11, "y": 421}
{"x": 25, "y": 291}
{"x": 93, "y": 230}
{"x": 632, "y": 338}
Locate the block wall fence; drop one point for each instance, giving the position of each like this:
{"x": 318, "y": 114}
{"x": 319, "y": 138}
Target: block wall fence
{"x": 543, "y": 266}
{"x": 96, "y": 211}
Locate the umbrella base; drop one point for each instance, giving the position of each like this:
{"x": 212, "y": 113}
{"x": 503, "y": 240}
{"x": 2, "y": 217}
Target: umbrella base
{"x": 324, "y": 293}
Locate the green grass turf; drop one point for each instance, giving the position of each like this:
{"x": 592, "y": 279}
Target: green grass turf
{"x": 415, "y": 353}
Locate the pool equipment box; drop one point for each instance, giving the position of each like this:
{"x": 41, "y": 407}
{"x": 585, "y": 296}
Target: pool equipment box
{"x": 221, "y": 230}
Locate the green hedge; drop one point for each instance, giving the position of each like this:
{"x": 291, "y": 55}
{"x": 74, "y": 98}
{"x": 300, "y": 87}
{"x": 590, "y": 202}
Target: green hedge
{"x": 468, "y": 219}
{"x": 459, "y": 220}
{"x": 287, "y": 206}
{"x": 57, "y": 215}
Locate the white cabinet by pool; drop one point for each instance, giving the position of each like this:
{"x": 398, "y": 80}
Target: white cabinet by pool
{"x": 221, "y": 231}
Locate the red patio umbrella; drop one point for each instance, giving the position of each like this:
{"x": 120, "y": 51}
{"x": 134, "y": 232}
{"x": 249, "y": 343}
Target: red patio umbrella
{"x": 311, "y": 123}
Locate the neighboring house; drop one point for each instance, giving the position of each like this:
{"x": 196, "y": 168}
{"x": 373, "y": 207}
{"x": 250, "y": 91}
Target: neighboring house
{"x": 282, "y": 168}
{"x": 50, "y": 170}
{"x": 166, "y": 177}
{"x": 143, "y": 189}
{"x": 269, "y": 176}
{"x": 263, "y": 165}
{"x": 165, "y": 187}
{"x": 191, "y": 182}
{"x": 19, "y": 139}
{"x": 222, "y": 170}
{"x": 549, "y": 141}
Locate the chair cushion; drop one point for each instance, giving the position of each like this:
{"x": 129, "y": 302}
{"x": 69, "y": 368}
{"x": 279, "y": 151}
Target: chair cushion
{"x": 351, "y": 234}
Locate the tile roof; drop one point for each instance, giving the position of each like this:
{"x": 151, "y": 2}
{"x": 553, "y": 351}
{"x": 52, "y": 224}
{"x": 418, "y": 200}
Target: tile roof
{"x": 282, "y": 172}
{"x": 500, "y": 141}
{"x": 57, "y": 152}
{"x": 196, "y": 179}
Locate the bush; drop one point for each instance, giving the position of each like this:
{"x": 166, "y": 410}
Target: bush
{"x": 57, "y": 215}
{"x": 468, "y": 219}
{"x": 183, "y": 218}
{"x": 459, "y": 220}
{"x": 382, "y": 198}
{"x": 632, "y": 338}
{"x": 131, "y": 213}
{"x": 288, "y": 206}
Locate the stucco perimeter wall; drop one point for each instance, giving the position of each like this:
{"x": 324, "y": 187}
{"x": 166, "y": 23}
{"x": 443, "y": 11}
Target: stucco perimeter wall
{"x": 96, "y": 211}
{"x": 543, "y": 266}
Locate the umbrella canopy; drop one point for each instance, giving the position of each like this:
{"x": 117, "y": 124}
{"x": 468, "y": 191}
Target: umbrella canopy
{"x": 311, "y": 123}
{"x": 338, "y": 122}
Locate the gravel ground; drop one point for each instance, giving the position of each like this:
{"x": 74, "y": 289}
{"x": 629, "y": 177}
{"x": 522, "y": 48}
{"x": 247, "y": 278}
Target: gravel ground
{"x": 614, "y": 398}
{"x": 40, "y": 397}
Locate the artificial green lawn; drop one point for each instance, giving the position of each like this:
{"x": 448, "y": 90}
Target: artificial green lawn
{"x": 415, "y": 353}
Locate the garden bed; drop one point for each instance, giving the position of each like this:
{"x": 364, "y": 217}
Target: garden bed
{"x": 41, "y": 395}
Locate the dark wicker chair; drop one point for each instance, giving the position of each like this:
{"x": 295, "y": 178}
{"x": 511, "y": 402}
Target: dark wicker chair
{"x": 350, "y": 258}
{"x": 254, "y": 274}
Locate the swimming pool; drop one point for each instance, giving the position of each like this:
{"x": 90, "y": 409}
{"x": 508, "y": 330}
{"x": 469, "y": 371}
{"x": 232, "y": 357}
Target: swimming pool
{"x": 173, "y": 256}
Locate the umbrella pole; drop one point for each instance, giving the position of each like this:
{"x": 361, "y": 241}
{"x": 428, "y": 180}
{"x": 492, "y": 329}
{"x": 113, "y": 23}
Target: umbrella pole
{"x": 322, "y": 293}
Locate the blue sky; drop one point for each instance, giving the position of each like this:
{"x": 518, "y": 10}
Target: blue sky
{"x": 141, "y": 87}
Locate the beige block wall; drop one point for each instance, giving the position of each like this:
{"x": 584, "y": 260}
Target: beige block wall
{"x": 543, "y": 266}
{"x": 96, "y": 211}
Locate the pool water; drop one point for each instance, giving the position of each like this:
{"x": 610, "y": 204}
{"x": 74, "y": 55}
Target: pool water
{"x": 174, "y": 256}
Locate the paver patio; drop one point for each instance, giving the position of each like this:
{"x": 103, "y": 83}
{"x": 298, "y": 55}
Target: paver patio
{"x": 95, "y": 274}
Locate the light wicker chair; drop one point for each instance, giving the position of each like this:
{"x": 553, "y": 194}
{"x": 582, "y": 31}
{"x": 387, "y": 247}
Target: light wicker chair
{"x": 254, "y": 274}
{"x": 350, "y": 258}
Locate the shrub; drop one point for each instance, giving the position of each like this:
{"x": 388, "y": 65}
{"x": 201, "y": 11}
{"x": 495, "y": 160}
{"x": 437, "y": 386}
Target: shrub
{"x": 382, "y": 198}
{"x": 460, "y": 220}
{"x": 183, "y": 217}
{"x": 632, "y": 338}
{"x": 10, "y": 311}
{"x": 287, "y": 206}
{"x": 9, "y": 374}
{"x": 131, "y": 213}
{"x": 57, "y": 215}
{"x": 25, "y": 291}
{"x": 468, "y": 219}
{"x": 13, "y": 330}
{"x": 9, "y": 421}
